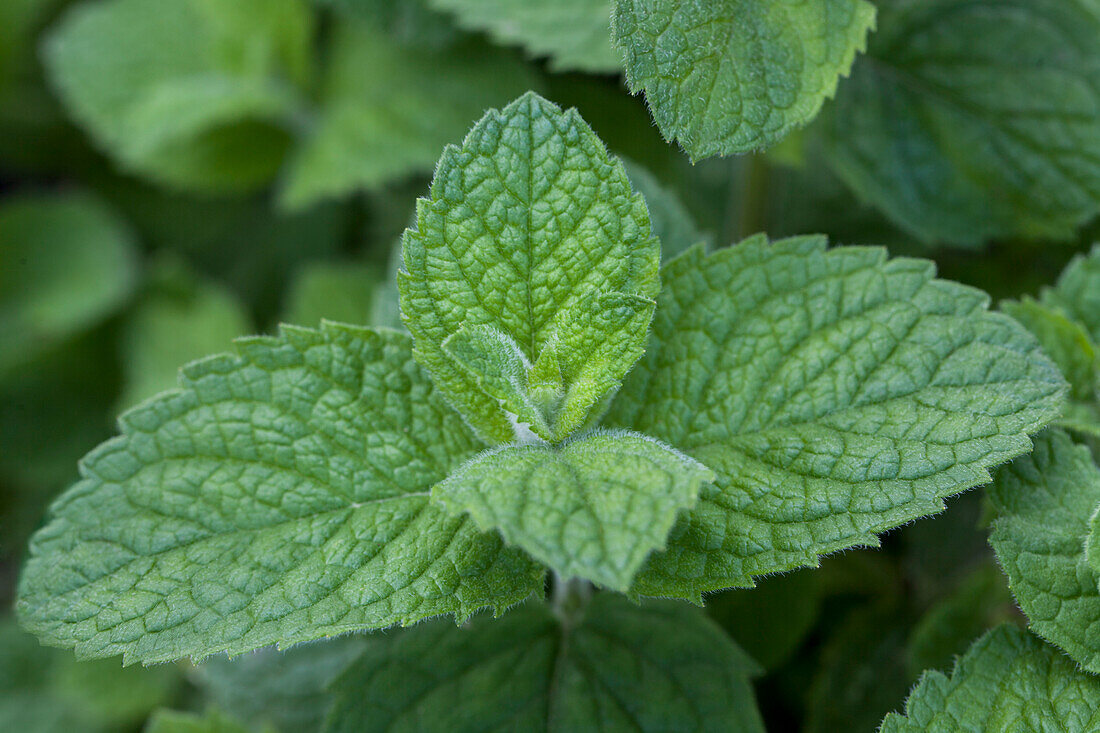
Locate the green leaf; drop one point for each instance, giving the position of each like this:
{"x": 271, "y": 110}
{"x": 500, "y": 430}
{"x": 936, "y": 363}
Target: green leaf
{"x": 1007, "y": 681}
{"x": 837, "y": 394}
{"x": 284, "y": 689}
{"x": 660, "y": 667}
{"x": 280, "y": 495}
{"x": 179, "y": 320}
{"x": 388, "y": 108}
{"x": 1078, "y": 291}
{"x": 574, "y": 34}
{"x": 968, "y": 121}
{"x": 593, "y": 507}
{"x": 1070, "y": 346}
{"x": 197, "y": 94}
{"x": 170, "y": 721}
{"x": 66, "y": 263}
{"x": 533, "y": 230}
{"x": 331, "y": 291}
{"x": 672, "y": 223}
{"x": 1045, "y": 501}
{"x": 732, "y": 76}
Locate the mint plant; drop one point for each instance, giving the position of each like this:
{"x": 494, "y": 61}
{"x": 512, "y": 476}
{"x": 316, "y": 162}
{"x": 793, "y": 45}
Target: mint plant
{"x": 605, "y": 355}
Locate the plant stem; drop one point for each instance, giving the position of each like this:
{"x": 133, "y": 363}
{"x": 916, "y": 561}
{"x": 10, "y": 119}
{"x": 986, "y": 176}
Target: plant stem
{"x": 569, "y": 599}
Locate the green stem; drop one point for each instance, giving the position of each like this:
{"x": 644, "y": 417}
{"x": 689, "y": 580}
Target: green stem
{"x": 754, "y": 196}
{"x": 569, "y": 599}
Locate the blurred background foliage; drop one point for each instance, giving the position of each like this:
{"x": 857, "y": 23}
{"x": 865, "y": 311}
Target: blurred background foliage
{"x": 175, "y": 173}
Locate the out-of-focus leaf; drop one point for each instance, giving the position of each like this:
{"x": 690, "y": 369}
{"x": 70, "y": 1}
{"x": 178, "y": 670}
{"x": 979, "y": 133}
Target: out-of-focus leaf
{"x": 198, "y": 94}
{"x": 66, "y": 262}
{"x": 669, "y": 219}
{"x": 213, "y": 721}
{"x": 336, "y": 291}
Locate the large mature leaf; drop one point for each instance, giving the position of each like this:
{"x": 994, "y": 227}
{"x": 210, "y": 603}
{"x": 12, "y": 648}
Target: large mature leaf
{"x": 662, "y": 667}
{"x": 200, "y": 94}
{"x": 280, "y": 496}
{"x": 1045, "y": 501}
{"x": 972, "y": 120}
{"x": 1068, "y": 343}
{"x": 66, "y": 262}
{"x": 531, "y": 230}
{"x": 575, "y": 34}
{"x": 387, "y": 109}
{"x": 593, "y": 507}
{"x": 731, "y": 76}
{"x": 835, "y": 393}
{"x": 1007, "y": 681}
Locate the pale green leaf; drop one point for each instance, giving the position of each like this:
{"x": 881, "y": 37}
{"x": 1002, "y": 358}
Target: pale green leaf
{"x": 732, "y": 76}
{"x": 1007, "y": 681}
{"x": 179, "y": 320}
{"x": 284, "y": 689}
{"x": 1044, "y": 503}
{"x": 280, "y": 496}
{"x": 387, "y": 109}
{"x": 574, "y": 34}
{"x": 411, "y": 22}
{"x": 836, "y": 393}
{"x": 662, "y": 667}
{"x": 333, "y": 291}
{"x": 593, "y": 507}
{"x": 198, "y": 94}
{"x": 66, "y": 262}
{"x": 533, "y": 229}
{"x": 971, "y": 120}
{"x": 1070, "y": 346}
{"x": 1078, "y": 291}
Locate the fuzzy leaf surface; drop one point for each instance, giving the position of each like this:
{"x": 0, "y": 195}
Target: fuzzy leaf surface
{"x": 836, "y": 394}
{"x": 574, "y": 34}
{"x": 623, "y": 667}
{"x": 968, "y": 121}
{"x": 1007, "y": 681}
{"x": 1045, "y": 502}
{"x": 733, "y": 76}
{"x": 532, "y": 229}
{"x": 593, "y": 507}
{"x": 191, "y": 93}
{"x": 280, "y": 496}
{"x": 387, "y": 108}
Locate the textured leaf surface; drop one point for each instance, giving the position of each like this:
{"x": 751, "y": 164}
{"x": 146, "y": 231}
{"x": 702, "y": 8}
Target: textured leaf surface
{"x": 968, "y": 120}
{"x": 388, "y": 108}
{"x": 1007, "y": 681}
{"x": 575, "y": 34}
{"x": 280, "y": 496}
{"x": 622, "y": 668}
{"x": 1072, "y": 349}
{"x": 1045, "y": 501}
{"x": 835, "y": 393}
{"x": 194, "y": 93}
{"x": 181, "y": 319}
{"x": 731, "y": 76}
{"x": 532, "y": 229}
{"x": 65, "y": 263}
{"x": 593, "y": 507}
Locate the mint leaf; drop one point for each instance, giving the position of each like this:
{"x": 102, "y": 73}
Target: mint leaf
{"x": 621, "y": 667}
{"x": 531, "y": 229}
{"x": 574, "y": 34}
{"x": 836, "y": 394}
{"x": 180, "y": 319}
{"x": 387, "y": 109}
{"x": 1008, "y": 680}
{"x": 280, "y": 496}
{"x": 334, "y": 291}
{"x": 956, "y": 99}
{"x": 593, "y": 507}
{"x": 170, "y": 721}
{"x": 732, "y": 76}
{"x": 1078, "y": 291}
{"x": 195, "y": 94}
{"x": 1045, "y": 501}
{"x": 66, "y": 262}
{"x": 1070, "y": 346}
{"x": 284, "y": 689}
